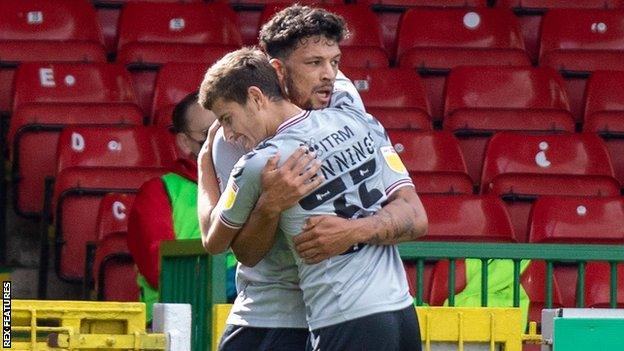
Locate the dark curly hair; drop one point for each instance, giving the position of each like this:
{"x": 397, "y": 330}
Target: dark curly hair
{"x": 287, "y": 28}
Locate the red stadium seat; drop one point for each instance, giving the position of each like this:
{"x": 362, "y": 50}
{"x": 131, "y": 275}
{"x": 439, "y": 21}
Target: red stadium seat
{"x": 53, "y": 31}
{"x": 49, "y": 97}
{"x": 533, "y": 280}
{"x": 173, "y": 83}
{"x": 520, "y": 167}
{"x": 93, "y": 162}
{"x": 580, "y": 41}
{"x": 434, "y": 41}
{"x": 604, "y": 114}
{"x": 151, "y": 34}
{"x": 114, "y": 269}
{"x": 467, "y": 218}
{"x": 364, "y": 46}
{"x": 481, "y": 100}
{"x": 434, "y": 161}
{"x": 597, "y": 285}
{"x": 577, "y": 220}
{"x": 395, "y": 96}
{"x": 531, "y": 12}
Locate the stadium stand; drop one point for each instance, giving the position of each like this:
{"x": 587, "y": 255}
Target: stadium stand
{"x": 520, "y": 167}
{"x": 91, "y": 163}
{"x": 39, "y": 30}
{"x": 579, "y": 41}
{"x": 49, "y": 97}
{"x": 530, "y": 14}
{"x": 363, "y": 47}
{"x": 395, "y": 96}
{"x": 173, "y": 82}
{"x": 151, "y": 34}
{"x": 532, "y": 280}
{"x": 434, "y": 161}
{"x": 435, "y": 41}
{"x": 113, "y": 268}
{"x": 481, "y": 100}
{"x": 604, "y": 114}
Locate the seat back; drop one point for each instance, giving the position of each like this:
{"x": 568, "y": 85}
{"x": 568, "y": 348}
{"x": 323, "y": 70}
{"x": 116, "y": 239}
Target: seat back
{"x": 395, "y": 96}
{"x": 72, "y": 83}
{"x": 115, "y": 147}
{"x": 597, "y": 285}
{"x": 555, "y": 154}
{"x": 113, "y": 268}
{"x": 577, "y": 220}
{"x": 467, "y": 218}
{"x": 433, "y": 159}
{"x": 173, "y": 83}
{"x": 113, "y": 214}
{"x": 480, "y": 100}
{"x": 579, "y": 41}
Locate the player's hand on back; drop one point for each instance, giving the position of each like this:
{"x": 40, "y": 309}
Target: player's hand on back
{"x": 284, "y": 186}
{"x": 325, "y": 236}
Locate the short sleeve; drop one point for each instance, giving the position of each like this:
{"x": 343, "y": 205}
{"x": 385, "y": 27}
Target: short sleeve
{"x": 224, "y": 157}
{"x": 394, "y": 173}
{"x": 242, "y": 191}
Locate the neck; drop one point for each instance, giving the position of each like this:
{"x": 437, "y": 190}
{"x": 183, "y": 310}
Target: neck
{"x": 281, "y": 111}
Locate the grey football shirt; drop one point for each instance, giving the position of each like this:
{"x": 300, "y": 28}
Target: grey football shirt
{"x": 360, "y": 168}
{"x": 268, "y": 294}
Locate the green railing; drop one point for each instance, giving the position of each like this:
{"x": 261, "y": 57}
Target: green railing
{"x": 190, "y": 275}
{"x": 550, "y": 253}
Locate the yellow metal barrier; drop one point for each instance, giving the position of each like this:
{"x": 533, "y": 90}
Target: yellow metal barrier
{"x": 80, "y": 325}
{"x": 457, "y": 325}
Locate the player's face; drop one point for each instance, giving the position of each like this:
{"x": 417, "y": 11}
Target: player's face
{"x": 241, "y": 124}
{"x": 310, "y": 71}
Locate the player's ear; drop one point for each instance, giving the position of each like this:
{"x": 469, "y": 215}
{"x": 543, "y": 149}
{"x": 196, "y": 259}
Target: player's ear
{"x": 280, "y": 69}
{"x": 255, "y": 97}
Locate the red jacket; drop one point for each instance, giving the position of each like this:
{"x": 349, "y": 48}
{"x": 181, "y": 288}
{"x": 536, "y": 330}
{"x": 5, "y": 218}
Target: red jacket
{"x": 151, "y": 221}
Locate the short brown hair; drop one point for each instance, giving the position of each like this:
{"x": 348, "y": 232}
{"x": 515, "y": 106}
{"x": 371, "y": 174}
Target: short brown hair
{"x": 231, "y": 76}
{"x": 285, "y": 30}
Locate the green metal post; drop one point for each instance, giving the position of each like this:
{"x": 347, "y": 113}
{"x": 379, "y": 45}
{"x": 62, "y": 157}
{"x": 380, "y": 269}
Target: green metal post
{"x": 484, "y": 282}
{"x": 420, "y": 285}
{"x": 516, "y": 283}
{"x": 580, "y": 286}
{"x": 451, "y": 282}
{"x": 549, "y": 284}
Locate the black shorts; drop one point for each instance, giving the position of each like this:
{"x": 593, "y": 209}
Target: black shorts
{"x": 239, "y": 338}
{"x": 386, "y": 331}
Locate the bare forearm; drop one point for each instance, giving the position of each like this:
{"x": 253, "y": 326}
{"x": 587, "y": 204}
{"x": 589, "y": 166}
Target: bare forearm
{"x": 402, "y": 219}
{"x": 207, "y": 198}
{"x": 257, "y": 237}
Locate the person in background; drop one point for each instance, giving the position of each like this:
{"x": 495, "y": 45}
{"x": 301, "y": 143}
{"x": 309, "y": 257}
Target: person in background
{"x": 165, "y": 208}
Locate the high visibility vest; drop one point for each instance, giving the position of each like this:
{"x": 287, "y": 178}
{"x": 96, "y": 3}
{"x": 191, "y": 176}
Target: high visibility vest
{"x": 183, "y": 197}
{"x": 500, "y": 286}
